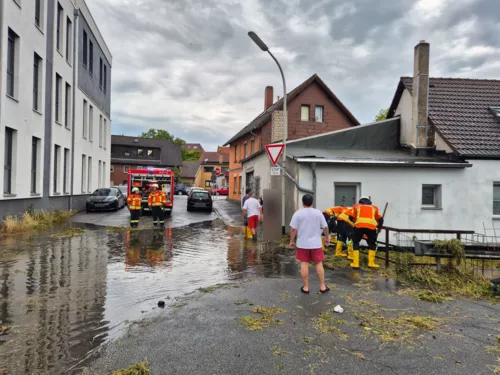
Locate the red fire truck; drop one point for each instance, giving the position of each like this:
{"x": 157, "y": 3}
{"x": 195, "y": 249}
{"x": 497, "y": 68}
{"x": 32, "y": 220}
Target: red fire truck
{"x": 144, "y": 178}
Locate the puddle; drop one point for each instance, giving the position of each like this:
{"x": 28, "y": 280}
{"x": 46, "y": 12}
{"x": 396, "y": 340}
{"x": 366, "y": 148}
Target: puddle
{"x": 62, "y": 298}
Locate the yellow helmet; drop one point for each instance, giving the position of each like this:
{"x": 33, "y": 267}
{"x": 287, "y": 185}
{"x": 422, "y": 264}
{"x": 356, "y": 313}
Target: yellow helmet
{"x": 154, "y": 185}
{"x": 135, "y": 190}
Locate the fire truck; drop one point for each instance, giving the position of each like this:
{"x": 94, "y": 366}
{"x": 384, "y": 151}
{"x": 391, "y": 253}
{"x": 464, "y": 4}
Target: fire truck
{"x": 144, "y": 178}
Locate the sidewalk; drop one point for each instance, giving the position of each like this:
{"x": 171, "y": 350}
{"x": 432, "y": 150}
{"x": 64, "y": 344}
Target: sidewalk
{"x": 228, "y": 211}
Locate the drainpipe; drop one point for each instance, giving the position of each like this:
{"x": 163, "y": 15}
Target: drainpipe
{"x": 313, "y": 167}
{"x": 76, "y": 12}
{"x": 300, "y": 188}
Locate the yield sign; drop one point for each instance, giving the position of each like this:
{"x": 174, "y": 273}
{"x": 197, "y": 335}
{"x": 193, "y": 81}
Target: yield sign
{"x": 274, "y": 151}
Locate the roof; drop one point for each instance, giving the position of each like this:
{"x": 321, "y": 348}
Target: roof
{"x": 194, "y": 146}
{"x": 212, "y": 157}
{"x": 265, "y": 116}
{"x": 459, "y": 110}
{"x": 189, "y": 169}
{"x": 170, "y": 153}
{"x": 390, "y": 158}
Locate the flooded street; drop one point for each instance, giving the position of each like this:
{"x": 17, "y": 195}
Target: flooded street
{"x": 60, "y": 299}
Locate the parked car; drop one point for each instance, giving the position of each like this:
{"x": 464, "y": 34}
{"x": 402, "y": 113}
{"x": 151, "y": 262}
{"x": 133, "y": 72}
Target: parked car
{"x": 192, "y": 190}
{"x": 223, "y": 190}
{"x": 199, "y": 199}
{"x": 180, "y": 189}
{"x": 105, "y": 199}
{"x": 123, "y": 189}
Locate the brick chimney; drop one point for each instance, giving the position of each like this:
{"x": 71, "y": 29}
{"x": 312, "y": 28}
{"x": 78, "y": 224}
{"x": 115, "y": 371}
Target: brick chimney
{"x": 268, "y": 97}
{"x": 424, "y": 140}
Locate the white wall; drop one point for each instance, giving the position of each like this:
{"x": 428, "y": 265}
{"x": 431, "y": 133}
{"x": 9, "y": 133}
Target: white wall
{"x": 404, "y": 110}
{"x": 467, "y": 194}
{"x": 261, "y": 166}
{"x": 18, "y": 113}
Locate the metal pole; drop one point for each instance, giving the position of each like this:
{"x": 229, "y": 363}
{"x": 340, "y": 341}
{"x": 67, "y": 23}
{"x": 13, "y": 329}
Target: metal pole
{"x": 284, "y": 131}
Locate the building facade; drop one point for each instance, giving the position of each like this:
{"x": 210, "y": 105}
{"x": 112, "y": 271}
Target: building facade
{"x": 209, "y": 161}
{"x": 55, "y": 87}
{"x": 312, "y": 109}
{"x": 137, "y": 153}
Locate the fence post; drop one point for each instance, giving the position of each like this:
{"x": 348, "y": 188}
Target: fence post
{"x": 387, "y": 248}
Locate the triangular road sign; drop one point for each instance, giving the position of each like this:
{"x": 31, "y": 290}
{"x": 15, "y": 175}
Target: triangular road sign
{"x": 274, "y": 151}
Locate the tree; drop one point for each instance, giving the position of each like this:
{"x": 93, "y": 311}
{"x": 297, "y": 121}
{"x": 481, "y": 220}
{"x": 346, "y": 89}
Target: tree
{"x": 164, "y": 134}
{"x": 382, "y": 115}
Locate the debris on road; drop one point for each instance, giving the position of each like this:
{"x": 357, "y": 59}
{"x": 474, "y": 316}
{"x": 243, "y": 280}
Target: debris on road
{"x": 161, "y": 304}
{"x": 338, "y": 309}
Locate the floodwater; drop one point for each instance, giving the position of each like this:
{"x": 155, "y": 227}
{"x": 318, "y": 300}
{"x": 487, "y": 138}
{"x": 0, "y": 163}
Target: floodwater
{"x": 61, "y": 299}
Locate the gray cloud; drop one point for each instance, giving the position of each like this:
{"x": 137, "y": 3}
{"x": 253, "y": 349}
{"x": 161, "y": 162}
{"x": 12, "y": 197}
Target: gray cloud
{"x": 188, "y": 65}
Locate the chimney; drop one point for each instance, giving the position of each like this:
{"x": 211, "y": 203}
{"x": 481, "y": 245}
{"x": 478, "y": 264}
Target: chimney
{"x": 424, "y": 139}
{"x": 268, "y": 97}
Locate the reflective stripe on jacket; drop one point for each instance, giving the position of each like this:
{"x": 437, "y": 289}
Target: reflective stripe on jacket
{"x": 157, "y": 198}
{"x": 366, "y": 216}
{"x": 134, "y": 201}
{"x": 336, "y": 210}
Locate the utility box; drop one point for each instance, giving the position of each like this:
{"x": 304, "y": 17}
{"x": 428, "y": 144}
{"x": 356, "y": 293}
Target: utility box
{"x": 271, "y": 210}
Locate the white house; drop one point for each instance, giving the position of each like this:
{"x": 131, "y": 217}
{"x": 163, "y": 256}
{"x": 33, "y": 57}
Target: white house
{"x": 435, "y": 160}
{"x": 55, "y": 84}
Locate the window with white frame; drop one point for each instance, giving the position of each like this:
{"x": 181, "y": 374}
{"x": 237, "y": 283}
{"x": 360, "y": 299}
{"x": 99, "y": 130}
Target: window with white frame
{"x": 69, "y": 39}
{"x": 12, "y": 63}
{"x": 304, "y": 112}
{"x": 85, "y": 49}
{"x": 89, "y": 172}
{"x": 67, "y": 106}
{"x": 38, "y": 13}
{"x": 346, "y": 193}
{"x": 496, "y": 198}
{"x": 58, "y": 106}
{"x": 318, "y": 113}
{"x": 59, "y": 27}
{"x": 84, "y": 173}
{"x": 85, "y": 118}
{"x": 37, "y": 83}
{"x": 431, "y": 196}
{"x": 91, "y": 123}
{"x": 125, "y": 168}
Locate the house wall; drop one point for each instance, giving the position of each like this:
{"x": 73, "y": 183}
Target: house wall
{"x": 201, "y": 176}
{"x": 467, "y": 194}
{"x": 261, "y": 166}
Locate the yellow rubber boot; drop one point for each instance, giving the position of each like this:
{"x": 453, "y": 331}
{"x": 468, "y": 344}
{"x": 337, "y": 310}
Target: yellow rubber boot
{"x": 371, "y": 259}
{"x": 349, "y": 250}
{"x": 355, "y": 259}
{"x": 245, "y": 231}
{"x": 249, "y": 233}
{"x": 333, "y": 238}
{"x": 338, "y": 249}
{"x": 323, "y": 243}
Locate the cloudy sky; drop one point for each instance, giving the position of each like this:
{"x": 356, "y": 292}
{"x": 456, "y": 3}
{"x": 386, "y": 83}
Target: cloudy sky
{"x": 188, "y": 66}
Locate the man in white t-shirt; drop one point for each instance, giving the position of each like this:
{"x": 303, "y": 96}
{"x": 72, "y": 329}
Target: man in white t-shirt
{"x": 308, "y": 224}
{"x": 253, "y": 211}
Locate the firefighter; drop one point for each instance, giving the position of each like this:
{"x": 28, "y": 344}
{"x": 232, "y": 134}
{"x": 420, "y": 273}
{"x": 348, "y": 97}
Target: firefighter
{"x": 366, "y": 218}
{"x": 330, "y": 215}
{"x": 134, "y": 202}
{"x": 344, "y": 234}
{"x": 156, "y": 201}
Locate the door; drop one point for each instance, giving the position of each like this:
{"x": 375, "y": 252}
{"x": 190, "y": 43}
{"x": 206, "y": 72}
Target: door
{"x": 346, "y": 195}
{"x": 249, "y": 181}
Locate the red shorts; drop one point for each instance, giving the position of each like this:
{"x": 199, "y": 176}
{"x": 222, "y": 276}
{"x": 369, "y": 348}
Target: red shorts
{"x": 253, "y": 221}
{"x": 310, "y": 255}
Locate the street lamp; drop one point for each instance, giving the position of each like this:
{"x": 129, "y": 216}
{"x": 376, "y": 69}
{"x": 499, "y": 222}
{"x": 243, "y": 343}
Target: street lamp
{"x": 264, "y": 48}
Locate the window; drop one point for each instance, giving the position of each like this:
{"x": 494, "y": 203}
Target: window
{"x": 150, "y": 153}
{"x": 245, "y": 150}
{"x": 104, "y": 83}
{"x": 252, "y": 147}
{"x": 105, "y": 135}
{"x": 89, "y": 171}
{"x": 65, "y": 171}
{"x": 239, "y": 184}
{"x": 104, "y": 170}
{"x": 236, "y": 153}
{"x": 85, "y": 48}
{"x": 100, "y": 73}
{"x": 234, "y": 185}
{"x": 208, "y": 183}
{"x": 304, "y": 113}
{"x": 85, "y": 118}
{"x": 37, "y": 82}
{"x": 208, "y": 169}
{"x": 100, "y": 131}
{"x": 34, "y": 164}
{"x": 125, "y": 168}
{"x": 112, "y": 168}
{"x": 59, "y": 26}
{"x": 431, "y": 196}
{"x": 140, "y": 152}
{"x": 496, "y": 198}
{"x": 91, "y": 57}
{"x": 126, "y": 153}
{"x": 12, "y": 60}
{"x": 67, "y": 106}
{"x": 58, "y": 97}
{"x": 57, "y": 156}
{"x": 99, "y": 174}
{"x": 91, "y": 123}
{"x": 69, "y": 39}
{"x": 38, "y": 13}
{"x": 318, "y": 113}
{"x": 346, "y": 194}
{"x": 84, "y": 172}
{"x": 8, "y": 160}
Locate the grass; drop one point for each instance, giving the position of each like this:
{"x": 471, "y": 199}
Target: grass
{"x": 140, "y": 368}
{"x": 431, "y": 296}
{"x": 33, "y": 221}
{"x": 333, "y": 262}
{"x": 327, "y": 323}
{"x": 213, "y": 288}
{"x": 69, "y": 232}
{"x": 254, "y": 323}
{"x": 278, "y": 351}
{"x": 241, "y": 302}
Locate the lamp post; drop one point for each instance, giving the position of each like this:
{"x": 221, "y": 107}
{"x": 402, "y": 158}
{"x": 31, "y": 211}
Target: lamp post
{"x": 264, "y": 48}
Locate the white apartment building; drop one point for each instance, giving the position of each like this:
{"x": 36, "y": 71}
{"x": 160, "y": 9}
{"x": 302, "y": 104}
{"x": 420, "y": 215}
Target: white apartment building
{"x": 55, "y": 99}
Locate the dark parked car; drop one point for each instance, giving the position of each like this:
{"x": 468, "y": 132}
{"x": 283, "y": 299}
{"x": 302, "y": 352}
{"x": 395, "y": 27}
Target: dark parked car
{"x": 199, "y": 199}
{"x": 180, "y": 189}
{"x": 105, "y": 199}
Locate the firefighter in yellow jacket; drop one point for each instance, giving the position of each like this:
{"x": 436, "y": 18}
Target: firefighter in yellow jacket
{"x": 134, "y": 202}
{"x": 156, "y": 201}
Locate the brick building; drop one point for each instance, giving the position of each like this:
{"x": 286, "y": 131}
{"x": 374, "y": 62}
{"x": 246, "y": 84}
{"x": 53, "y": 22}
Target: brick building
{"x": 312, "y": 109}
{"x": 136, "y": 153}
